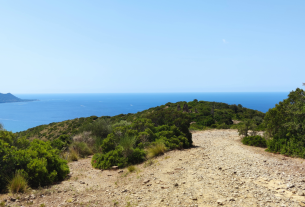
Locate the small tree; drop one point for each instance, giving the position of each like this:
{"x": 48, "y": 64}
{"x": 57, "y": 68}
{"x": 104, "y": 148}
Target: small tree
{"x": 244, "y": 129}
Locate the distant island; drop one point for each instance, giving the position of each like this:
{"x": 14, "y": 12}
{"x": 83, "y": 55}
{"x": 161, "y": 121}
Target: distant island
{"x": 9, "y": 98}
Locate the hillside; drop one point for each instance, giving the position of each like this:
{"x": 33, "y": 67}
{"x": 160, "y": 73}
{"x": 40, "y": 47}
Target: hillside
{"x": 8, "y": 98}
{"x": 219, "y": 171}
{"x": 202, "y": 114}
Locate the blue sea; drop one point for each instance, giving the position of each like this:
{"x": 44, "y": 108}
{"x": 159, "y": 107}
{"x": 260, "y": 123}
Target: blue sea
{"x": 59, "y": 107}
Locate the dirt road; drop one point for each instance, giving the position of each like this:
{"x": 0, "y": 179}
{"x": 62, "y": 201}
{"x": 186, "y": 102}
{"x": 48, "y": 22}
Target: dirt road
{"x": 218, "y": 171}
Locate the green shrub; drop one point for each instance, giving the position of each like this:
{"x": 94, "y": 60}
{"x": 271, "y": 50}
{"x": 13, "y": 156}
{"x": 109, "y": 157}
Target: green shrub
{"x": 121, "y": 123}
{"x": 245, "y": 127}
{"x": 137, "y": 156}
{"x": 256, "y": 141}
{"x": 111, "y": 158}
{"x": 100, "y": 127}
{"x": 58, "y": 144}
{"x": 18, "y": 183}
{"x": 82, "y": 149}
{"x": 108, "y": 144}
{"x": 156, "y": 150}
{"x": 40, "y": 163}
{"x": 127, "y": 142}
{"x": 223, "y": 126}
{"x": 285, "y": 125}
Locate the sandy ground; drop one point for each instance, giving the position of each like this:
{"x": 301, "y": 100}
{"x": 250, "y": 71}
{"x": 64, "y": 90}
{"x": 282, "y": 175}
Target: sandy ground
{"x": 218, "y": 171}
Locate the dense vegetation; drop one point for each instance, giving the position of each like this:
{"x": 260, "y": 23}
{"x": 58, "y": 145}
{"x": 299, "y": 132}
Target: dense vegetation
{"x": 40, "y": 154}
{"x": 203, "y": 114}
{"x": 37, "y": 161}
{"x": 126, "y": 144}
{"x": 257, "y": 141}
{"x": 286, "y": 125}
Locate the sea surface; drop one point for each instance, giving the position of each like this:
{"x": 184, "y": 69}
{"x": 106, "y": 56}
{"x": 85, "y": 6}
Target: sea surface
{"x": 50, "y": 108}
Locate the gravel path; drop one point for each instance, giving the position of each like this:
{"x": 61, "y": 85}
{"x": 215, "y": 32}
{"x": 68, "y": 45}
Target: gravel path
{"x": 218, "y": 171}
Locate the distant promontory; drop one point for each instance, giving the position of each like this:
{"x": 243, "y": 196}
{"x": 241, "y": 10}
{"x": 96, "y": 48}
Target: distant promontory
{"x": 9, "y": 98}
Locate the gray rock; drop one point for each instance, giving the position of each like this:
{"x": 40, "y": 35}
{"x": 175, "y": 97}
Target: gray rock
{"x": 185, "y": 108}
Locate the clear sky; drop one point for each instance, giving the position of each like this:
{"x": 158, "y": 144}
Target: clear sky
{"x": 77, "y": 46}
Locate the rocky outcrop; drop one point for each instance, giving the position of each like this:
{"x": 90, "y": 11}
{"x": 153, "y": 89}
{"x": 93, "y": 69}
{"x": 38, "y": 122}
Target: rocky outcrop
{"x": 178, "y": 108}
{"x": 196, "y": 111}
{"x": 185, "y": 108}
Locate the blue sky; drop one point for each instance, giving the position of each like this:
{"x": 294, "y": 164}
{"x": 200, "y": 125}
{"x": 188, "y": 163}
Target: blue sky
{"x": 131, "y": 46}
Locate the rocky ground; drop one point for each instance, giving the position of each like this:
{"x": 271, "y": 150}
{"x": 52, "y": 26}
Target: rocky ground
{"x": 219, "y": 170}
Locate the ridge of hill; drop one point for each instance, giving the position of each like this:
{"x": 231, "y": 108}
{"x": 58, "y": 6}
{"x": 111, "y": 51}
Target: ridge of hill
{"x": 203, "y": 115}
{"x": 9, "y": 98}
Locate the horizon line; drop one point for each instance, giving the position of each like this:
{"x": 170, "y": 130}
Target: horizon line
{"x": 158, "y": 92}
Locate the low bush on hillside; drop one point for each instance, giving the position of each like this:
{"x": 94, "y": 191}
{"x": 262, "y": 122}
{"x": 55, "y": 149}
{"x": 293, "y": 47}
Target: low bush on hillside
{"x": 81, "y": 148}
{"x": 256, "y": 141}
{"x": 129, "y": 144}
{"x": 38, "y": 161}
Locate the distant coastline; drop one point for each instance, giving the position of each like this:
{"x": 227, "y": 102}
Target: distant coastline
{"x": 10, "y": 98}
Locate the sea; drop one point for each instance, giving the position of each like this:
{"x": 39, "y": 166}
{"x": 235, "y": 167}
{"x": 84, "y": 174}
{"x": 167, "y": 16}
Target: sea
{"x": 20, "y": 116}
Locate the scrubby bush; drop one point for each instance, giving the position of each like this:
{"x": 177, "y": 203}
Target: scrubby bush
{"x": 130, "y": 141}
{"x": 223, "y": 126}
{"x": 99, "y": 128}
{"x": 127, "y": 143}
{"x": 39, "y": 162}
{"x": 111, "y": 158}
{"x": 84, "y": 137}
{"x": 285, "y": 125}
{"x": 121, "y": 123}
{"x": 58, "y": 144}
{"x": 81, "y": 148}
{"x": 137, "y": 156}
{"x": 256, "y": 141}
{"x": 246, "y": 127}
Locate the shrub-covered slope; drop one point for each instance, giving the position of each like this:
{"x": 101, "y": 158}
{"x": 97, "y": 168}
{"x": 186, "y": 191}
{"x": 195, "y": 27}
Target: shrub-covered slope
{"x": 201, "y": 113}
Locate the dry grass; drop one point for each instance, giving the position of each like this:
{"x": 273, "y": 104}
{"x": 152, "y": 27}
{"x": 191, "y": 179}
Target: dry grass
{"x": 18, "y": 184}
{"x": 148, "y": 163}
{"x": 156, "y": 150}
{"x": 131, "y": 168}
{"x": 73, "y": 156}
